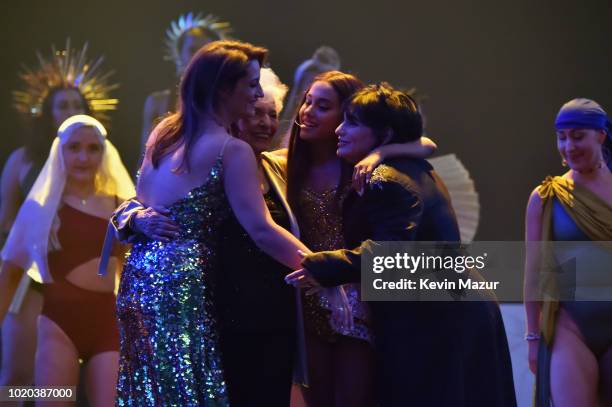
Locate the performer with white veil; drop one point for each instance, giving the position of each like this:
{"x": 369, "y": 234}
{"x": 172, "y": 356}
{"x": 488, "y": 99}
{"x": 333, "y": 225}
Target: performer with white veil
{"x": 64, "y": 82}
{"x": 57, "y": 237}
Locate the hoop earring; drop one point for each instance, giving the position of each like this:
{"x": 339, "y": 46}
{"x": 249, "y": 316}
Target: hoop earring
{"x": 564, "y": 163}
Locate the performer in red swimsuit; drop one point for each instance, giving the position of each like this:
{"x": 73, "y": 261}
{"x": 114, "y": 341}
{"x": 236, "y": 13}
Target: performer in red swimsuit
{"x": 86, "y": 316}
{"x": 57, "y": 237}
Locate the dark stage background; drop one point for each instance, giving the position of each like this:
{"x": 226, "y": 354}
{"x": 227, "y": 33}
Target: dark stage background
{"x": 495, "y": 73}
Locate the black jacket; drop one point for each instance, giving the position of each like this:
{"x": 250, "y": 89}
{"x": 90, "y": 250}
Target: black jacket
{"x": 429, "y": 353}
{"x": 404, "y": 201}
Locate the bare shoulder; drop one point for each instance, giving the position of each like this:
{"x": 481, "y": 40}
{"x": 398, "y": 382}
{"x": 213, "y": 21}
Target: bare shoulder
{"x": 534, "y": 204}
{"x": 18, "y": 156}
{"x": 238, "y": 158}
{"x": 237, "y": 147}
{"x": 14, "y": 163}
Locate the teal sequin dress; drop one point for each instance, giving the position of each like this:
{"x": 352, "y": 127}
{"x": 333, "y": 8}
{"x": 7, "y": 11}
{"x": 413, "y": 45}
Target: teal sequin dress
{"x": 169, "y": 352}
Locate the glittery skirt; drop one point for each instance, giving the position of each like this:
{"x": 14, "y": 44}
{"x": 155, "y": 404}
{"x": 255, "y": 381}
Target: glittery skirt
{"x": 169, "y": 346}
{"x": 318, "y": 321}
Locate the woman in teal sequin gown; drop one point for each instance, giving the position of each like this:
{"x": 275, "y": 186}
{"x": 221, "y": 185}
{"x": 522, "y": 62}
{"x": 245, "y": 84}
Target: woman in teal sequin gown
{"x": 169, "y": 347}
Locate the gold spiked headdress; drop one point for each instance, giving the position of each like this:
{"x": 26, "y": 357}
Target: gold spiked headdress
{"x": 210, "y": 24}
{"x": 66, "y": 68}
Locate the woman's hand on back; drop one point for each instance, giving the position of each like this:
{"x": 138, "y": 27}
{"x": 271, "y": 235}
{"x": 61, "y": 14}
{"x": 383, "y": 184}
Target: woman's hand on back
{"x": 154, "y": 223}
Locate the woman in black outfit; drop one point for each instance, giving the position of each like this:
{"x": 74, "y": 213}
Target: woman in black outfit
{"x": 256, "y": 310}
{"x": 428, "y": 353}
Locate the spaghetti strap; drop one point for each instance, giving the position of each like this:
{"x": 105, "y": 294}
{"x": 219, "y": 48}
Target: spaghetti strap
{"x": 223, "y": 147}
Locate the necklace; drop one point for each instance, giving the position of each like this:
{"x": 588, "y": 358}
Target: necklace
{"x": 81, "y": 200}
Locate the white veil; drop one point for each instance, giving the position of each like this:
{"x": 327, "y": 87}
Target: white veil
{"x": 34, "y": 232}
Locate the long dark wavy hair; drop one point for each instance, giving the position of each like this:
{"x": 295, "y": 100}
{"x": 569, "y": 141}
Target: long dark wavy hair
{"x": 299, "y": 158}
{"x": 214, "y": 68}
{"x": 41, "y": 130}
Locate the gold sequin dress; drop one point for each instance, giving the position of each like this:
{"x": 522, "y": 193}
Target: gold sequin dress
{"x": 321, "y": 229}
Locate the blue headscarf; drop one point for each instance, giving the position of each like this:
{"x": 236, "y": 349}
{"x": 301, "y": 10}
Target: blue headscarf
{"x": 583, "y": 113}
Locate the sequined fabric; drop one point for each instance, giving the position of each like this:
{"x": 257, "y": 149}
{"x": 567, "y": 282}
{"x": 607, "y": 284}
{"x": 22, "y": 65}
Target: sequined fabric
{"x": 321, "y": 229}
{"x": 169, "y": 344}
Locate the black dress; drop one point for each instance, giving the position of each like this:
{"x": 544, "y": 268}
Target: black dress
{"x": 429, "y": 353}
{"x": 256, "y": 313}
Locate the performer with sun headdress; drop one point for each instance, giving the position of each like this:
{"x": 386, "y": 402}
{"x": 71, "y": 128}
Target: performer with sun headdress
{"x": 62, "y": 85}
{"x": 58, "y": 231}
{"x": 184, "y": 37}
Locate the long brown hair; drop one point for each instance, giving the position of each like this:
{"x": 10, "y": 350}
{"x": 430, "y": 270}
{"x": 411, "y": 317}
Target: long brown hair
{"x": 299, "y": 158}
{"x": 215, "y": 67}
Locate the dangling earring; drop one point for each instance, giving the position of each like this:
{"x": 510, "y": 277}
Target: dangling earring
{"x": 563, "y": 163}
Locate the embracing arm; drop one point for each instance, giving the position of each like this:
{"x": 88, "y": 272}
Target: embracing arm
{"x": 243, "y": 190}
{"x": 393, "y": 212}
{"x": 132, "y": 219}
{"x": 421, "y": 148}
{"x": 424, "y": 147}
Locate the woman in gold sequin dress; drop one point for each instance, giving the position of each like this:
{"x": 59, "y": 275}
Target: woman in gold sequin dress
{"x": 338, "y": 325}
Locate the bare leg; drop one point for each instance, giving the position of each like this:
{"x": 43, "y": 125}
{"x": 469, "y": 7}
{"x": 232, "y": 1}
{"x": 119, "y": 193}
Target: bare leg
{"x": 57, "y": 362}
{"x": 19, "y": 342}
{"x": 574, "y": 368}
{"x": 354, "y": 371}
{"x": 101, "y": 379}
{"x": 320, "y": 392}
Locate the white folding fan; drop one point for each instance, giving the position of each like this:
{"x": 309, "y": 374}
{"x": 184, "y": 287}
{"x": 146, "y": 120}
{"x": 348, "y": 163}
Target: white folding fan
{"x": 462, "y": 192}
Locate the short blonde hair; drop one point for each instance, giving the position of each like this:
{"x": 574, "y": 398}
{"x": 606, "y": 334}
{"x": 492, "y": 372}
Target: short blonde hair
{"x": 272, "y": 86}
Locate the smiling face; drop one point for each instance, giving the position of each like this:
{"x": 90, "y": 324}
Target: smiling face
{"x": 259, "y": 129}
{"x": 320, "y": 113}
{"x": 82, "y": 154}
{"x": 242, "y": 98}
{"x": 581, "y": 148}
{"x": 355, "y": 140}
